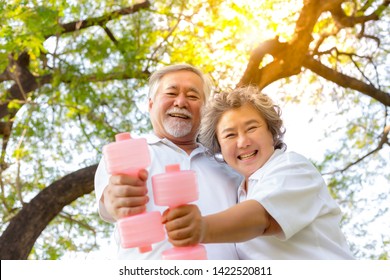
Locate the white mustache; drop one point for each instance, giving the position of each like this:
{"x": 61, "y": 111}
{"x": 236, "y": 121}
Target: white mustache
{"x": 175, "y": 110}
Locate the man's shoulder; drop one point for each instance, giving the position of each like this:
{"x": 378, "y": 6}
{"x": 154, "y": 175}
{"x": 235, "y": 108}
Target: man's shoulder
{"x": 222, "y": 168}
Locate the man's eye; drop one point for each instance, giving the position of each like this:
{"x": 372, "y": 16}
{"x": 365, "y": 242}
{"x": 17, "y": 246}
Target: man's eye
{"x": 192, "y": 96}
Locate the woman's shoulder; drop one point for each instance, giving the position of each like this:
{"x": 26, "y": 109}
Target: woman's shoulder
{"x": 290, "y": 158}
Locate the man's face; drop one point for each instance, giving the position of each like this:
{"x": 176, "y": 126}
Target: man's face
{"x": 176, "y": 108}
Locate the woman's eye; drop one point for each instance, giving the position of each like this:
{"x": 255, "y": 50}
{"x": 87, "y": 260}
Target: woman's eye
{"x": 252, "y": 128}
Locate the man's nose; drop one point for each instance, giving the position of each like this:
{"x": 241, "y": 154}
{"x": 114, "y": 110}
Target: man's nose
{"x": 181, "y": 100}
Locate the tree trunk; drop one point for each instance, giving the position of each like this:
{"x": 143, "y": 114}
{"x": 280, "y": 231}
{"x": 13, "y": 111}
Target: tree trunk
{"x": 18, "y": 239}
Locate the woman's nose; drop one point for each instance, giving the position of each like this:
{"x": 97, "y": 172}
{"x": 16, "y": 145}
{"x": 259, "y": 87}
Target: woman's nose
{"x": 243, "y": 141}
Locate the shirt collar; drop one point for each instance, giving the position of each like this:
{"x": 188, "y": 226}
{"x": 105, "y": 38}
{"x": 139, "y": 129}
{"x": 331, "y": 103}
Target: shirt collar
{"x": 152, "y": 139}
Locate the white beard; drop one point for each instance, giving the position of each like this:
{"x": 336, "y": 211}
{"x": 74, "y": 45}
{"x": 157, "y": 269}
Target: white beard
{"x": 177, "y": 128}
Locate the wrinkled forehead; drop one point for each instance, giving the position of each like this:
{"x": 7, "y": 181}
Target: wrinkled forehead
{"x": 177, "y": 87}
{"x": 186, "y": 81}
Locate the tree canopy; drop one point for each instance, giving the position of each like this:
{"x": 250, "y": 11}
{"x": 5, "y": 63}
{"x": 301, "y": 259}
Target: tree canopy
{"x": 74, "y": 73}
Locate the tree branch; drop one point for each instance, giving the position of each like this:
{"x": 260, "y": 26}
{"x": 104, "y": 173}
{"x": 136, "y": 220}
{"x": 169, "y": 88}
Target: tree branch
{"x": 4, "y": 76}
{"x": 252, "y": 74}
{"x": 350, "y": 21}
{"x": 111, "y": 35}
{"x": 351, "y": 57}
{"x": 384, "y": 140}
{"x": 19, "y": 237}
{"x": 101, "y": 21}
{"x": 346, "y": 81}
{"x": 70, "y": 218}
{"x": 288, "y": 57}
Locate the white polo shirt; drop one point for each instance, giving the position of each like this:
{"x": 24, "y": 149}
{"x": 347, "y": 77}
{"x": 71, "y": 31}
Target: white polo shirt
{"x": 217, "y": 185}
{"x": 294, "y": 193}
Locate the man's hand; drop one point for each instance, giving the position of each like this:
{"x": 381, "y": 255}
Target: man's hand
{"x": 184, "y": 225}
{"x": 126, "y": 195}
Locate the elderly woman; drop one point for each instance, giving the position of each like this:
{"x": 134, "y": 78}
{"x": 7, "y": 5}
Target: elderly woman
{"x": 285, "y": 210}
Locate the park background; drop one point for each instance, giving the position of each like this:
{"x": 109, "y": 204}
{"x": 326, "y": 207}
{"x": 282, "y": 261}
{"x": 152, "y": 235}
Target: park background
{"x": 74, "y": 73}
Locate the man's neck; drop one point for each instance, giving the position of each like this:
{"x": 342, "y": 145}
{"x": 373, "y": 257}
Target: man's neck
{"x": 186, "y": 145}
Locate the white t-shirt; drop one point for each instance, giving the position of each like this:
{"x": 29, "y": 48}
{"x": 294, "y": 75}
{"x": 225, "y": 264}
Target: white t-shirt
{"x": 217, "y": 184}
{"x": 294, "y": 193}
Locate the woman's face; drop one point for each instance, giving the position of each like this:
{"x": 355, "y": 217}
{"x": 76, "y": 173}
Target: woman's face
{"x": 246, "y": 143}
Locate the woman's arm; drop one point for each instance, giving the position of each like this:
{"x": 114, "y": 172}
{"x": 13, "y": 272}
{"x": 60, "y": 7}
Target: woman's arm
{"x": 242, "y": 222}
{"x": 249, "y": 219}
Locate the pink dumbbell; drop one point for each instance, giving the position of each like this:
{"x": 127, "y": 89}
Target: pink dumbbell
{"x": 174, "y": 188}
{"x": 127, "y": 156}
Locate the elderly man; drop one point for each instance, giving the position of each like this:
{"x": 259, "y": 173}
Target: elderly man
{"x": 177, "y": 94}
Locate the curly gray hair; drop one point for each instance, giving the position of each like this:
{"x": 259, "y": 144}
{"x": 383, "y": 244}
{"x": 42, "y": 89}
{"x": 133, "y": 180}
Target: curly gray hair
{"x": 236, "y": 98}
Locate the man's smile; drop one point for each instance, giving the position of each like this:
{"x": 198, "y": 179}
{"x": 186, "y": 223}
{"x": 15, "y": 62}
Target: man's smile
{"x": 177, "y": 115}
